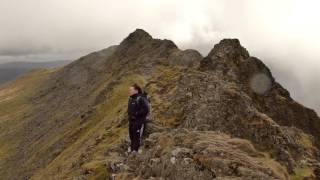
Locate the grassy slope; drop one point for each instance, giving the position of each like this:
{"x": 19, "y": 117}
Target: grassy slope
{"x": 14, "y": 107}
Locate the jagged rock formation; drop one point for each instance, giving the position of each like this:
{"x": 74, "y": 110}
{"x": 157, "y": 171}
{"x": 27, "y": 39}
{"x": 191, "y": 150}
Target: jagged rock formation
{"x": 222, "y": 116}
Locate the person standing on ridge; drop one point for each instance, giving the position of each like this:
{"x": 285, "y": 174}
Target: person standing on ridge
{"x": 138, "y": 110}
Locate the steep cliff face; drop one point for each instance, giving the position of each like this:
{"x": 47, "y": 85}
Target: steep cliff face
{"x": 220, "y": 116}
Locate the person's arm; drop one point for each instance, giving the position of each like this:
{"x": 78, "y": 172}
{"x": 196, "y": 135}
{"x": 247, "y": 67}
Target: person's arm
{"x": 143, "y": 107}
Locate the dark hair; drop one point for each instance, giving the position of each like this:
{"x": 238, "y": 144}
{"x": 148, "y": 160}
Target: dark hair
{"x": 137, "y": 87}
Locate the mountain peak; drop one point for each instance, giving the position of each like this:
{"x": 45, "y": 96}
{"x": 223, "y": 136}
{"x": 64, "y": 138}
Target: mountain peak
{"x": 233, "y": 60}
{"x": 229, "y": 48}
{"x": 226, "y": 54}
{"x": 137, "y": 35}
{"x": 140, "y": 39}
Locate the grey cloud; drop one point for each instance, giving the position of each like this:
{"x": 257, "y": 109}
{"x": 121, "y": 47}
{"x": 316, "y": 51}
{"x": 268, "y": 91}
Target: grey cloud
{"x": 22, "y": 51}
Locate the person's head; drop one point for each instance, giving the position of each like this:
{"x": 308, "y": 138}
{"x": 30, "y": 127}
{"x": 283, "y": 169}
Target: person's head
{"x": 134, "y": 89}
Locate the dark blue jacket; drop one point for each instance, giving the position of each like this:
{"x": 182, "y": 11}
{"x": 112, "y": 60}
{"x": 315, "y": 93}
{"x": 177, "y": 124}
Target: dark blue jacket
{"x": 138, "y": 108}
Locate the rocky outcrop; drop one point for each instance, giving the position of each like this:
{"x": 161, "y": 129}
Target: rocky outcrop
{"x": 188, "y": 154}
{"x": 252, "y": 76}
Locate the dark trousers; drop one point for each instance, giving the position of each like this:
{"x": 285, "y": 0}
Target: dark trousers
{"x": 135, "y": 133}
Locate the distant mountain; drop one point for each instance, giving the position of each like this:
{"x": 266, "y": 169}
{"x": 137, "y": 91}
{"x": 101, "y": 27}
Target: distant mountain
{"x": 10, "y": 70}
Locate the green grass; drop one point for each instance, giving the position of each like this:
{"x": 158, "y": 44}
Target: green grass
{"x": 301, "y": 173}
{"x": 165, "y": 86}
{"x": 305, "y": 141}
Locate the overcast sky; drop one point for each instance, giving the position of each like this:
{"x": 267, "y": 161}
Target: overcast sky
{"x": 285, "y": 34}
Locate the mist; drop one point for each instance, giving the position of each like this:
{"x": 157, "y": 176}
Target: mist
{"x": 283, "y": 34}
